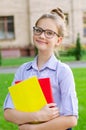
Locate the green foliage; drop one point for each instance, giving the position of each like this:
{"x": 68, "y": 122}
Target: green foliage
{"x": 78, "y": 48}
{"x": 36, "y": 51}
{"x": 76, "y": 51}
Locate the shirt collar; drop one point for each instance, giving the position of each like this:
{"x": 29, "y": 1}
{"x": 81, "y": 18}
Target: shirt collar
{"x": 51, "y": 63}
{"x": 32, "y": 64}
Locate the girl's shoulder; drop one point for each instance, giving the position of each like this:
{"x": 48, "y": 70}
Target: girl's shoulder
{"x": 63, "y": 67}
{"x": 25, "y": 66}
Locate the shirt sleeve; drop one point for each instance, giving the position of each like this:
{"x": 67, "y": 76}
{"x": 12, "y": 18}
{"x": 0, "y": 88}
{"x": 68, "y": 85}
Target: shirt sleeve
{"x": 18, "y": 76}
{"x": 68, "y": 93}
{"x": 8, "y": 102}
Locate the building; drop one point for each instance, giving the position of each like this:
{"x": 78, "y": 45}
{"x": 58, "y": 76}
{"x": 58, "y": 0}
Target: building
{"x": 17, "y": 17}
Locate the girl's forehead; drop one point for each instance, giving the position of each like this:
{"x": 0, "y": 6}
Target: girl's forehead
{"x": 47, "y": 23}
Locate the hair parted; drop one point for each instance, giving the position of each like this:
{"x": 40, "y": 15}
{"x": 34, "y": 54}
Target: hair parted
{"x": 58, "y": 16}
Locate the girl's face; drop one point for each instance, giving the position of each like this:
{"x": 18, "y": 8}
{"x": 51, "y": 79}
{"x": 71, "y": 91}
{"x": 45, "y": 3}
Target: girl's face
{"x": 42, "y": 41}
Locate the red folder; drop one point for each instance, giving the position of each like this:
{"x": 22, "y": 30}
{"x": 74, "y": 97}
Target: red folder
{"x": 46, "y": 88}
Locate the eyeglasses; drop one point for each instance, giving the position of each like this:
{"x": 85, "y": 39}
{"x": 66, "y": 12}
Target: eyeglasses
{"x": 48, "y": 33}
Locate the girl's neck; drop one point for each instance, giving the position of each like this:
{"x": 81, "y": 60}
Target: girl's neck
{"x": 42, "y": 59}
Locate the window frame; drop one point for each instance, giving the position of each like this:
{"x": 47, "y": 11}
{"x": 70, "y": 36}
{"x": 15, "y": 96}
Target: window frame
{"x": 84, "y": 24}
{"x": 7, "y": 27}
{"x": 67, "y": 23}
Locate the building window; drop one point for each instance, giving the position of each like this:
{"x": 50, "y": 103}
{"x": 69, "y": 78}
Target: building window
{"x": 84, "y": 24}
{"x": 7, "y": 27}
{"x": 67, "y": 24}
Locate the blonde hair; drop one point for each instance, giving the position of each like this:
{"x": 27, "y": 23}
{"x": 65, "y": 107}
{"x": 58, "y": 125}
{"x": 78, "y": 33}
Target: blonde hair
{"x": 58, "y": 16}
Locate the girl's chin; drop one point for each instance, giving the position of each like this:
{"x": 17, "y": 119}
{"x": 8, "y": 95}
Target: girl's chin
{"x": 41, "y": 46}
{"x": 42, "y": 49}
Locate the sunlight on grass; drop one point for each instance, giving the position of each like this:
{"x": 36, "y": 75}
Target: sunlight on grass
{"x": 80, "y": 79}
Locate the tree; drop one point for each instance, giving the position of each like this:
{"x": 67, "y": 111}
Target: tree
{"x": 78, "y": 48}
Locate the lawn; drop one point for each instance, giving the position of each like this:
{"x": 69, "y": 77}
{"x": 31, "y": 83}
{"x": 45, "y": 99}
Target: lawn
{"x": 80, "y": 79}
{"x": 15, "y": 61}
{"x": 21, "y": 60}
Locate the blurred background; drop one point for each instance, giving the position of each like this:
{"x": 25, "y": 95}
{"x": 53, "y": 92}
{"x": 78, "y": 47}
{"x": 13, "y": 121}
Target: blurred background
{"x": 17, "y": 17}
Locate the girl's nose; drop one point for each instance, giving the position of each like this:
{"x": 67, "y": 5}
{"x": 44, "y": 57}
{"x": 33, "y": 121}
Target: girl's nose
{"x": 42, "y": 35}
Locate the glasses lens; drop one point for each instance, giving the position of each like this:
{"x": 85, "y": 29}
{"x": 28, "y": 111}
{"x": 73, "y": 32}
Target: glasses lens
{"x": 49, "y": 33}
{"x": 37, "y": 31}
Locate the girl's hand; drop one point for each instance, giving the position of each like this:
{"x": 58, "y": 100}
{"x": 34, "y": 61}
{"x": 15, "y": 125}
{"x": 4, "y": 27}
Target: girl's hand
{"x": 48, "y": 112}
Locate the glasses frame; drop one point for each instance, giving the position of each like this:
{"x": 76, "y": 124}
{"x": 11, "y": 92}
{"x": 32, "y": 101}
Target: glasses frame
{"x": 42, "y": 30}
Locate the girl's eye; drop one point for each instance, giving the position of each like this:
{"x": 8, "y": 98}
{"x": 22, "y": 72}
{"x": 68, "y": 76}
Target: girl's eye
{"x": 49, "y": 32}
{"x": 38, "y": 30}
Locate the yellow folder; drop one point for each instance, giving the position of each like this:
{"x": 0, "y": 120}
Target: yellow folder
{"x": 27, "y": 95}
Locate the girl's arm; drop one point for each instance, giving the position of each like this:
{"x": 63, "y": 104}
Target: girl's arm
{"x": 60, "y": 123}
{"x": 45, "y": 114}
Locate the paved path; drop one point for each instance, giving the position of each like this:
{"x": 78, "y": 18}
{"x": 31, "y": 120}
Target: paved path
{"x": 8, "y": 69}
{"x": 76, "y": 64}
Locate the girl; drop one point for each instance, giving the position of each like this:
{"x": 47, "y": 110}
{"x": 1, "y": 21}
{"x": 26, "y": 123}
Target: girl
{"x": 48, "y": 33}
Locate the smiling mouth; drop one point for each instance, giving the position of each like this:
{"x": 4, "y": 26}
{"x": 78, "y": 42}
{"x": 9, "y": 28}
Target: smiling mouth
{"x": 41, "y": 42}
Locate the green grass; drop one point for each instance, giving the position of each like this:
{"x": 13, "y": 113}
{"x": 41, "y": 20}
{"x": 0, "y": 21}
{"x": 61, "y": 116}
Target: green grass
{"x": 5, "y": 81}
{"x": 15, "y": 61}
{"x": 80, "y": 80}
{"x": 71, "y": 58}
{"x": 21, "y": 60}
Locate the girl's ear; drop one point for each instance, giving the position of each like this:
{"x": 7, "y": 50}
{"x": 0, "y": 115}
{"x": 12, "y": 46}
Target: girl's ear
{"x": 59, "y": 41}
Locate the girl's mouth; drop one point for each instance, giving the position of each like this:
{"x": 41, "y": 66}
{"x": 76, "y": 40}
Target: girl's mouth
{"x": 41, "y": 42}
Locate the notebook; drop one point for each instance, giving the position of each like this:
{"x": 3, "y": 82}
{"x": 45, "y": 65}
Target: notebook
{"x": 46, "y": 88}
{"x": 27, "y": 95}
